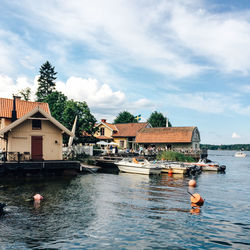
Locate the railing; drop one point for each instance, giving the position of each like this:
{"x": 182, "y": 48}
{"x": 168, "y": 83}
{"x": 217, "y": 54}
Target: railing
{"x": 16, "y": 156}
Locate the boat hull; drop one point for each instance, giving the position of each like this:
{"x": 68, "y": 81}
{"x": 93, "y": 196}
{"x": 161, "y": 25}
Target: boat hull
{"x": 174, "y": 168}
{"x": 139, "y": 170}
{"x": 240, "y": 154}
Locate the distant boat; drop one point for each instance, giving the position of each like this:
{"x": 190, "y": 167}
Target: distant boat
{"x": 240, "y": 154}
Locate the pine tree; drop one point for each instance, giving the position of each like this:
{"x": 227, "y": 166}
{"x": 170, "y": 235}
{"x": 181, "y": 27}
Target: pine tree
{"x": 157, "y": 119}
{"x": 46, "y": 81}
{"x": 125, "y": 117}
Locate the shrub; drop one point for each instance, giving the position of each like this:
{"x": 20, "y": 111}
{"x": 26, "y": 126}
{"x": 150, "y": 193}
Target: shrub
{"x": 174, "y": 156}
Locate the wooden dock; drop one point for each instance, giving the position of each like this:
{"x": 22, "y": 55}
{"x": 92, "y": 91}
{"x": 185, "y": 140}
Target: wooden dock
{"x": 39, "y": 167}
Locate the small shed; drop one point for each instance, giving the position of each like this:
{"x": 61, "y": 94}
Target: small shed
{"x": 36, "y": 135}
{"x": 180, "y": 138}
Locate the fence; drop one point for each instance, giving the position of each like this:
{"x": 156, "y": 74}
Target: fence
{"x": 77, "y": 149}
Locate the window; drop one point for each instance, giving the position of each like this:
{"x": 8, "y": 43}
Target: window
{"x": 121, "y": 144}
{"x": 36, "y": 124}
{"x": 102, "y": 131}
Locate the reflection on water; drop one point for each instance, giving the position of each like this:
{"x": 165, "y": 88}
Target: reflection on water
{"x": 129, "y": 211}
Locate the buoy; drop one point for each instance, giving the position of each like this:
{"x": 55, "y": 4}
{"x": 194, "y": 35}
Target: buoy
{"x": 192, "y": 183}
{"x": 170, "y": 172}
{"x": 197, "y": 199}
{"x": 37, "y": 197}
{"x": 193, "y": 205}
{"x": 195, "y": 211}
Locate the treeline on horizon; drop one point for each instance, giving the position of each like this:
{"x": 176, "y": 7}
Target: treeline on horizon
{"x": 226, "y": 147}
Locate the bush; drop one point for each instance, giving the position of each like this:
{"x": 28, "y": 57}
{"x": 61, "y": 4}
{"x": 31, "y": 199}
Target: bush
{"x": 174, "y": 156}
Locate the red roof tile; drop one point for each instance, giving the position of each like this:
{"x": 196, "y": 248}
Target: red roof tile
{"x": 128, "y": 129}
{"x": 22, "y": 107}
{"x": 165, "y": 135}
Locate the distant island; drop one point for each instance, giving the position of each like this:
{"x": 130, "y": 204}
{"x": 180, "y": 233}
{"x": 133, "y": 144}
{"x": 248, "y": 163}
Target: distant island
{"x": 226, "y": 147}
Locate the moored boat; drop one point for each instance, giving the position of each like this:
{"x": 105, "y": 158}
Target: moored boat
{"x": 240, "y": 154}
{"x": 138, "y": 166}
{"x": 174, "y": 167}
{"x": 208, "y": 165}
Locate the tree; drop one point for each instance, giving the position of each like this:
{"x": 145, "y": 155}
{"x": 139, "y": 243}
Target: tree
{"x": 25, "y": 93}
{"x": 57, "y": 103}
{"x": 85, "y": 120}
{"x": 157, "y": 119}
{"x": 125, "y": 117}
{"x": 46, "y": 81}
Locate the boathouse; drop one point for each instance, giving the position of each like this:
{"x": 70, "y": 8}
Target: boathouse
{"x": 12, "y": 109}
{"x": 34, "y": 136}
{"x": 123, "y": 134}
{"x": 172, "y": 138}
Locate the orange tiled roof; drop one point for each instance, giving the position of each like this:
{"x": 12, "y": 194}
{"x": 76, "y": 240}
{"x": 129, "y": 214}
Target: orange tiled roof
{"x": 22, "y": 107}
{"x": 128, "y": 129}
{"x": 112, "y": 126}
{"x": 165, "y": 135}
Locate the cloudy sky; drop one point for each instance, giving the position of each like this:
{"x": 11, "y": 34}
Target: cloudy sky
{"x": 188, "y": 59}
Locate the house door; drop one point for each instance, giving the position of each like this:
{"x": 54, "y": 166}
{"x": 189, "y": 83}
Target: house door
{"x": 37, "y": 148}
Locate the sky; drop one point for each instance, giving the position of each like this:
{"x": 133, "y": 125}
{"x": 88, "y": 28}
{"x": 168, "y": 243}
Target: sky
{"x": 188, "y": 59}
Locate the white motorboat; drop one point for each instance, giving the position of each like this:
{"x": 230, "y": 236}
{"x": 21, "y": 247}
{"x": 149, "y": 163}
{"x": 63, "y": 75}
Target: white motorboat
{"x": 240, "y": 154}
{"x": 208, "y": 165}
{"x": 138, "y": 166}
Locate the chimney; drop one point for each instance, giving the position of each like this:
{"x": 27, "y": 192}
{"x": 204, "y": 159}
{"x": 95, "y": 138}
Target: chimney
{"x": 167, "y": 122}
{"x": 103, "y": 120}
{"x": 14, "y": 116}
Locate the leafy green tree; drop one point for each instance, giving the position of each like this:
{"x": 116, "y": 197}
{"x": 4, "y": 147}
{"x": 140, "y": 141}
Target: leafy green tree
{"x": 157, "y": 119}
{"x": 85, "y": 120}
{"x": 57, "y": 102}
{"x": 46, "y": 81}
{"x": 25, "y": 93}
{"x": 125, "y": 117}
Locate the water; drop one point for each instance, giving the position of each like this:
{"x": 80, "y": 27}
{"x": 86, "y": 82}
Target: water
{"x": 128, "y": 211}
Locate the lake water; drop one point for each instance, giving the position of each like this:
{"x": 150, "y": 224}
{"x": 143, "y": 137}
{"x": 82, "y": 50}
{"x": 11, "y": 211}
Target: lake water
{"x": 126, "y": 211}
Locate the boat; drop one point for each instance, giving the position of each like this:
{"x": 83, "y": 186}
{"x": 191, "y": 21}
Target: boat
{"x": 138, "y": 166}
{"x": 174, "y": 168}
{"x": 240, "y": 154}
{"x": 88, "y": 168}
{"x": 208, "y": 165}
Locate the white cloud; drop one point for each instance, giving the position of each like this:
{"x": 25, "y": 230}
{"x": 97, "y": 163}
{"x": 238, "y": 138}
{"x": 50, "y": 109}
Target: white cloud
{"x": 9, "y": 87}
{"x": 179, "y": 38}
{"x": 202, "y": 102}
{"x": 15, "y": 52}
{"x": 235, "y": 135}
{"x": 91, "y": 91}
{"x": 209, "y": 102}
{"x": 222, "y": 38}
{"x": 101, "y": 99}
{"x": 116, "y": 29}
